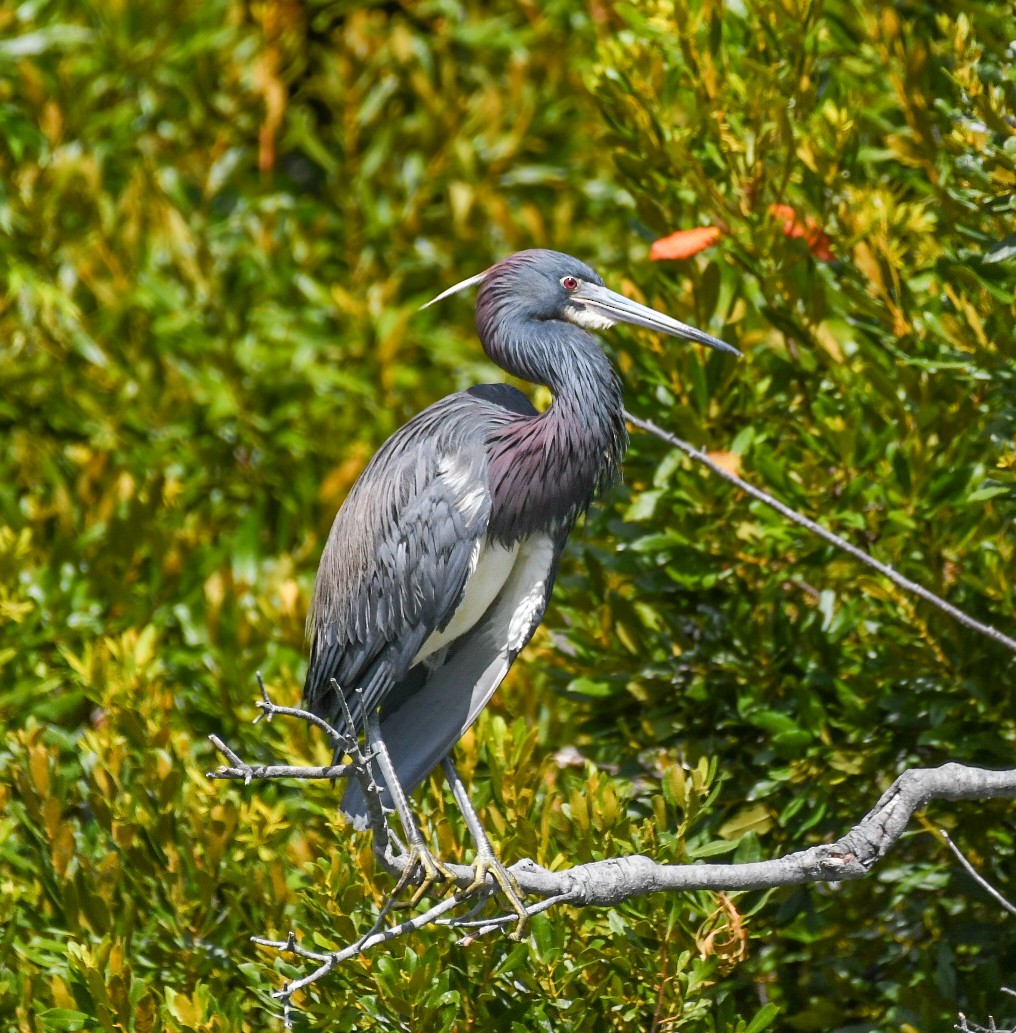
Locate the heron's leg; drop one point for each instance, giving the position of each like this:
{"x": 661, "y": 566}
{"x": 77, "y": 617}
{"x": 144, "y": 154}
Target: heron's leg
{"x": 486, "y": 861}
{"x": 419, "y": 854}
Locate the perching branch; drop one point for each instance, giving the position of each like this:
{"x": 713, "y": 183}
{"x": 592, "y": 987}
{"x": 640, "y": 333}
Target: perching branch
{"x": 608, "y": 883}
{"x": 817, "y": 529}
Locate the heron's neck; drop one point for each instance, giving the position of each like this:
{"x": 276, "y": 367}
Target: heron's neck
{"x": 546, "y": 469}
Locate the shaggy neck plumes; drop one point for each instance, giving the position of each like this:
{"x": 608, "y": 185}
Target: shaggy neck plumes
{"x": 546, "y": 469}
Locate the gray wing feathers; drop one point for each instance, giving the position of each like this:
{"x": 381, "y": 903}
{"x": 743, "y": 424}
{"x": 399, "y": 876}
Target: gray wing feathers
{"x": 396, "y": 560}
{"x": 428, "y": 724}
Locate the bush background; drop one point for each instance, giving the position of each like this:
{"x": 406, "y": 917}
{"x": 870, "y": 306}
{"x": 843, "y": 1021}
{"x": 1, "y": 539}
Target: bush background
{"x": 218, "y": 220}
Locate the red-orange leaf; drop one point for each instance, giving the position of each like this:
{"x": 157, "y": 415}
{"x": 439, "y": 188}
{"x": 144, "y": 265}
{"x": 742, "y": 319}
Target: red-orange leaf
{"x": 684, "y": 243}
{"x": 814, "y": 236}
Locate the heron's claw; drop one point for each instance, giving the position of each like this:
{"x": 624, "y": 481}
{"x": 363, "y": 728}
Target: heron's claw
{"x": 434, "y": 872}
{"x": 488, "y": 864}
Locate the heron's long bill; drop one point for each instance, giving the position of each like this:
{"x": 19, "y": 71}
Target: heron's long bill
{"x": 619, "y": 309}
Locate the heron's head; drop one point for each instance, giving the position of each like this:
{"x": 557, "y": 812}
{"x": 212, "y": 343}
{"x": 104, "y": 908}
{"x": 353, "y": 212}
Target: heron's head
{"x": 548, "y": 285}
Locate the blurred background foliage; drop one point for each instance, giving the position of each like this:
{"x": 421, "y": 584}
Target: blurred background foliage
{"x": 218, "y": 219}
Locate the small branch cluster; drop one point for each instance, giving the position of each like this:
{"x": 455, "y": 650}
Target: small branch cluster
{"x": 966, "y": 1026}
{"x": 401, "y": 863}
{"x": 600, "y": 883}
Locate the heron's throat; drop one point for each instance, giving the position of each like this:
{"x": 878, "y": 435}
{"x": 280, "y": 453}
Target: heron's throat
{"x": 546, "y": 469}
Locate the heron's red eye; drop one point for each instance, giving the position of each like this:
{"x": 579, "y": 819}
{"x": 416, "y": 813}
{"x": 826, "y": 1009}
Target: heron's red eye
{"x": 570, "y": 283}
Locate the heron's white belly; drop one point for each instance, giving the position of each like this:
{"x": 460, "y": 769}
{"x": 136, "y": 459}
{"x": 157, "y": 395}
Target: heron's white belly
{"x": 494, "y": 563}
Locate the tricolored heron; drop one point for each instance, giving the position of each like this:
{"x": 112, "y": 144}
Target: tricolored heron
{"x": 440, "y": 563}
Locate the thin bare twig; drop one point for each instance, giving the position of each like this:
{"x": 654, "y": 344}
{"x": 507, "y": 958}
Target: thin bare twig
{"x": 246, "y": 773}
{"x": 975, "y": 874}
{"x": 269, "y": 710}
{"x": 817, "y": 529}
{"x": 481, "y": 927}
{"x": 329, "y": 961}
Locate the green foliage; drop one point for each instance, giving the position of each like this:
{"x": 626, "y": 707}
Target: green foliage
{"x": 878, "y": 396}
{"x": 218, "y": 220}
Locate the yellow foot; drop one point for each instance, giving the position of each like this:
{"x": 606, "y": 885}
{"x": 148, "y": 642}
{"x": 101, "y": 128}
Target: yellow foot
{"x": 434, "y": 872}
{"x": 487, "y": 864}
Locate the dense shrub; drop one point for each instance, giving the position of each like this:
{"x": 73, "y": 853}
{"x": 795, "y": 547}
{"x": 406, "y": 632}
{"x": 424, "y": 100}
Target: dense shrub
{"x": 218, "y": 220}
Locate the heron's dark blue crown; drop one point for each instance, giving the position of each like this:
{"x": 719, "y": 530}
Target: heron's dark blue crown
{"x": 520, "y": 313}
{"x": 545, "y": 469}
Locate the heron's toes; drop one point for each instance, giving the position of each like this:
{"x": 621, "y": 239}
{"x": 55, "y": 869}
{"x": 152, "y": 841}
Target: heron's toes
{"x": 434, "y": 872}
{"x": 485, "y": 865}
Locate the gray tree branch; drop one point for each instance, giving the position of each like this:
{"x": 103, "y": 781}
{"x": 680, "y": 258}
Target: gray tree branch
{"x": 826, "y": 535}
{"x": 611, "y": 882}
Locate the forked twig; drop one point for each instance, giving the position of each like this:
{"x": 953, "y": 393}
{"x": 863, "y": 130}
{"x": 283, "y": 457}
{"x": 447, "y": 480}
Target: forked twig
{"x": 331, "y": 960}
{"x": 249, "y": 772}
{"x": 400, "y": 865}
{"x": 269, "y": 709}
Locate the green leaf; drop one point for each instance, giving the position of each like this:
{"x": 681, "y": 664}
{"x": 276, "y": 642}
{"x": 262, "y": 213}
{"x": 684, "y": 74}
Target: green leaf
{"x": 763, "y": 1018}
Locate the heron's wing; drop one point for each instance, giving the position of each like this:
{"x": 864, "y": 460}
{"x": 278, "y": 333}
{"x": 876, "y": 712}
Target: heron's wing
{"x": 431, "y": 719}
{"x": 398, "y": 557}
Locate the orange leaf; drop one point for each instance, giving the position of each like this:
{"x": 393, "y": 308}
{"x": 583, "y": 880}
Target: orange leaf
{"x": 784, "y": 211}
{"x": 814, "y": 236}
{"x": 730, "y": 461}
{"x": 684, "y": 243}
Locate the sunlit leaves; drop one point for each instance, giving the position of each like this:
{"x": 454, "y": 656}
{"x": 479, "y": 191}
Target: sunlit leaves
{"x": 877, "y": 395}
{"x": 218, "y": 221}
